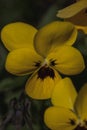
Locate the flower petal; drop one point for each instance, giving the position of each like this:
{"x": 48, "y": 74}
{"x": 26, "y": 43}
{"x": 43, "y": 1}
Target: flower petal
{"x": 72, "y": 9}
{"x": 58, "y": 118}
{"x": 39, "y": 88}
{"x": 68, "y": 60}
{"x": 18, "y": 35}
{"x": 54, "y": 34}
{"x": 79, "y": 19}
{"x": 22, "y": 61}
{"x": 81, "y": 103}
{"x": 64, "y": 94}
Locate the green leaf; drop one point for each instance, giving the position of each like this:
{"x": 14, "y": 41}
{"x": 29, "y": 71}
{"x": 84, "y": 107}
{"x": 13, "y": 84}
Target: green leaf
{"x": 11, "y": 83}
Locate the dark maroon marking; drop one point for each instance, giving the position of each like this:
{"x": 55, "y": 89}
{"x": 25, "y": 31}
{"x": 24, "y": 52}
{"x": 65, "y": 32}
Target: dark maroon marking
{"x": 86, "y": 11}
{"x": 85, "y": 122}
{"x": 53, "y": 62}
{"x": 72, "y": 122}
{"x": 80, "y": 128}
{"x": 37, "y": 64}
{"x": 46, "y": 72}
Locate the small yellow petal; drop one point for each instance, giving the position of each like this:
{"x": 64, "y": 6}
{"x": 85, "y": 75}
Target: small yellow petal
{"x": 79, "y": 19}
{"x": 58, "y": 118}
{"x": 18, "y": 35}
{"x": 54, "y": 34}
{"x": 81, "y": 103}
{"x": 72, "y": 9}
{"x": 68, "y": 60}
{"x": 22, "y": 61}
{"x": 41, "y": 88}
{"x": 75, "y": 13}
{"x": 64, "y": 94}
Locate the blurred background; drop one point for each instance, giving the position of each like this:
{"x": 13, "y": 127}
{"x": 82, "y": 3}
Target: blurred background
{"x": 37, "y": 13}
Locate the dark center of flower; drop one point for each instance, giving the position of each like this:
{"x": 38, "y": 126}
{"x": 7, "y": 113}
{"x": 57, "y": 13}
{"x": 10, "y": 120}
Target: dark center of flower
{"x": 86, "y": 11}
{"x": 46, "y": 72}
{"x": 80, "y": 128}
{"x": 85, "y": 122}
{"x": 72, "y": 122}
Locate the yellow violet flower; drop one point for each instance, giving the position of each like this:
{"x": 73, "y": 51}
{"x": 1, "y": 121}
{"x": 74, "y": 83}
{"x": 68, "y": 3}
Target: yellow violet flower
{"x": 41, "y": 53}
{"x": 76, "y": 13}
{"x": 70, "y": 109}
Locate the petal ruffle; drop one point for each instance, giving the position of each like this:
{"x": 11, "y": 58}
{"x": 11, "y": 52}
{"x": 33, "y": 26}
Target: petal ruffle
{"x": 64, "y": 94}
{"x": 22, "y": 61}
{"x": 41, "y": 88}
{"x": 68, "y": 60}
{"x": 72, "y": 9}
{"x": 81, "y": 103}
{"x": 58, "y": 118}
{"x": 18, "y": 35}
{"x": 54, "y": 34}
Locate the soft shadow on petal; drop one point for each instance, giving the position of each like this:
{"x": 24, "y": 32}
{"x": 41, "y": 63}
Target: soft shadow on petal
{"x": 18, "y": 35}
{"x": 64, "y": 94}
{"x": 54, "y": 34}
{"x": 38, "y": 88}
{"x": 81, "y": 103}
{"x": 68, "y": 60}
{"x": 58, "y": 118}
{"x": 22, "y": 61}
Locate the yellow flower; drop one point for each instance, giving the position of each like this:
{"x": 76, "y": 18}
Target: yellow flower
{"x": 50, "y": 53}
{"x": 76, "y": 13}
{"x": 70, "y": 110}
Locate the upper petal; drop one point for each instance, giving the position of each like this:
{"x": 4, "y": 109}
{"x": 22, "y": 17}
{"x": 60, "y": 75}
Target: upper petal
{"x": 68, "y": 60}
{"x": 81, "y": 103}
{"x": 22, "y": 61}
{"x": 54, "y": 34}
{"x": 41, "y": 88}
{"x": 72, "y": 9}
{"x": 18, "y": 35}
{"x": 59, "y": 118}
{"x": 80, "y": 19}
{"x": 76, "y": 13}
{"x": 64, "y": 94}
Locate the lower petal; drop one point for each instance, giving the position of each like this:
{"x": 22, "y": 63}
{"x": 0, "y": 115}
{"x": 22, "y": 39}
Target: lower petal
{"x": 41, "y": 88}
{"x": 59, "y": 118}
{"x": 64, "y": 94}
{"x": 81, "y": 103}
